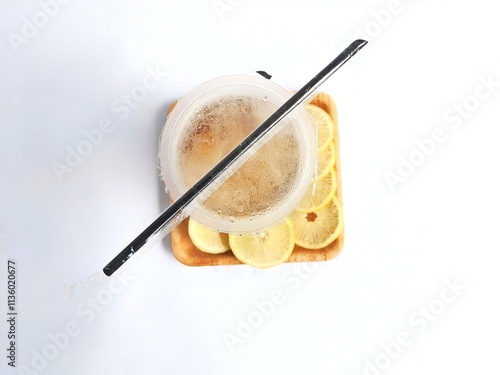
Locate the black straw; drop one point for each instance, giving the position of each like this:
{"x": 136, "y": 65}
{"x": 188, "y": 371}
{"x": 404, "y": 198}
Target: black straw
{"x": 174, "y": 213}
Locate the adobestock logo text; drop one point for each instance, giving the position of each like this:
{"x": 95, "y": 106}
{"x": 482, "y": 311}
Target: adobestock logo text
{"x": 262, "y": 310}
{"x": 87, "y": 310}
{"x": 121, "y": 107}
{"x": 31, "y": 26}
{"x": 454, "y": 117}
{"x": 419, "y": 322}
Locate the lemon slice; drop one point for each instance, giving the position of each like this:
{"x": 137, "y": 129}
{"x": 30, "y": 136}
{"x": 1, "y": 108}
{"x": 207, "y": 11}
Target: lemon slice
{"x": 326, "y": 161}
{"x": 324, "y": 125}
{"x": 207, "y": 239}
{"x": 319, "y": 194}
{"x": 315, "y": 230}
{"x": 266, "y": 248}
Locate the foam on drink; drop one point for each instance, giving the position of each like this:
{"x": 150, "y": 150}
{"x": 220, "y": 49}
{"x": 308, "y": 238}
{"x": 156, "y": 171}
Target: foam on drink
{"x": 213, "y": 130}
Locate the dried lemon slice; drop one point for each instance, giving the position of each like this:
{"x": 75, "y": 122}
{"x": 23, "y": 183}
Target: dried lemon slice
{"x": 207, "y": 239}
{"x": 266, "y": 248}
{"x": 319, "y": 194}
{"x": 324, "y": 125}
{"x": 326, "y": 161}
{"x": 315, "y": 230}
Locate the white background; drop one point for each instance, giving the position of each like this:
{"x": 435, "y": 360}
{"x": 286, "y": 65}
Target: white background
{"x": 405, "y": 245}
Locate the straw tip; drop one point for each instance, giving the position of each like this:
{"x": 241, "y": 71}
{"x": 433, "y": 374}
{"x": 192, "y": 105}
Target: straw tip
{"x": 358, "y": 43}
{"x": 108, "y": 271}
{"x": 355, "y": 46}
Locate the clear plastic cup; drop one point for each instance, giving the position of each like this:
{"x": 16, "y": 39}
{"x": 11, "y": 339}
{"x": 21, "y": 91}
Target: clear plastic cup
{"x": 213, "y": 118}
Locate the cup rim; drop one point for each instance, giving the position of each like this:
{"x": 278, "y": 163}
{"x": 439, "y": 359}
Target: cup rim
{"x": 304, "y": 127}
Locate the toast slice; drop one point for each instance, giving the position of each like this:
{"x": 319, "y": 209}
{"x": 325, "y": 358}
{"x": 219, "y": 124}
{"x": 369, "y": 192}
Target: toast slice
{"x": 187, "y": 253}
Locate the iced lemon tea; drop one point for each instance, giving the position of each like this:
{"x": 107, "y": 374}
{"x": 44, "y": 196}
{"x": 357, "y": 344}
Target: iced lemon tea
{"x": 199, "y": 133}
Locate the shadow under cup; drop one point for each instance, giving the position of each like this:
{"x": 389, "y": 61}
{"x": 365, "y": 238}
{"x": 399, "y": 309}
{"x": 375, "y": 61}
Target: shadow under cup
{"x": 209, "y": 122}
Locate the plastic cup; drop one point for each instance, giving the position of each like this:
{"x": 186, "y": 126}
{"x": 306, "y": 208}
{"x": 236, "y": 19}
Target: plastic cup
{"x": 208, "y": 122}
